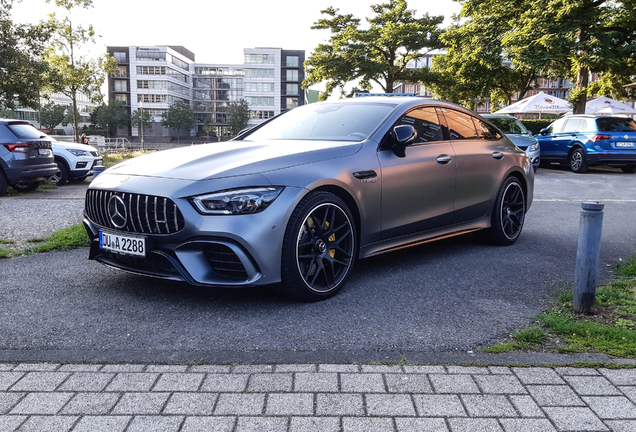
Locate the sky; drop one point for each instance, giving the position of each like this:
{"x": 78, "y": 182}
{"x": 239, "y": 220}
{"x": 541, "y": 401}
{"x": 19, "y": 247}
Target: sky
{"x": 215, "y": 30}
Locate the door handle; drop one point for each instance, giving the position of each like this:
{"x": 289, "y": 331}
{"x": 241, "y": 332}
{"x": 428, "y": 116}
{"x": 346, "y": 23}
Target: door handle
{"x": 443, "y": 159}
{"x": 360, "y": 175}
{"x": 498, "y": 155}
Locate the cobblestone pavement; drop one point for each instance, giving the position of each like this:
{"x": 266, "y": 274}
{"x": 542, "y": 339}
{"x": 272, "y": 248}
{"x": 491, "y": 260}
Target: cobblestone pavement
{"x": 310, "y": 397}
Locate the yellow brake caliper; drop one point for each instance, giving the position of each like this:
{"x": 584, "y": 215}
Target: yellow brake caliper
{"x": 332, "y": 238}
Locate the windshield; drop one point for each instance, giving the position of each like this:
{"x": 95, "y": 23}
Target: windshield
{"x": 509, "y": 126}
{"x": 616, "y": 125}
{"x": 328, "y": 122}
{"x": 25, "y": 131}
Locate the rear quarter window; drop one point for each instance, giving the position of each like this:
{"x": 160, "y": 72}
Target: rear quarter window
{"x": 25, "y": 131}
{"x": 616, "y": 125}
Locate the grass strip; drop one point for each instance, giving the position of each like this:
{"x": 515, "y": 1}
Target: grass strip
{"x": 68, "y": 238}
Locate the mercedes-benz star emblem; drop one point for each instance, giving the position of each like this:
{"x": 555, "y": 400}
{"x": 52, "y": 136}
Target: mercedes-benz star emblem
{"x": 117, "y": 211}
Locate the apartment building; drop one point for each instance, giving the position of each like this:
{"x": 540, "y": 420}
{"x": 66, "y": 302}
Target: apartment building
{"x": 152, "y": 78}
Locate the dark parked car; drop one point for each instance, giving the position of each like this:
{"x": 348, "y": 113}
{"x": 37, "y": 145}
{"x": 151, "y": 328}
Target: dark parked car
{"x": 26, "y": 158}
{"x": 297, "y": 200}
{"x": 585, "y": 140}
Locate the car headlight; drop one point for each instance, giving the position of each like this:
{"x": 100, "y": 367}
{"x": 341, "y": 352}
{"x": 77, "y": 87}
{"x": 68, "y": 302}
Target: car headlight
{"x": 78, "y": 152}
{"x": 534, "y": 147}
{"x": 236, "y": 201}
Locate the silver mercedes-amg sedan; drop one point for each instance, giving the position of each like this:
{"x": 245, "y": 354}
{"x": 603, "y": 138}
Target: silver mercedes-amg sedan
{"x": 297, "y": 200}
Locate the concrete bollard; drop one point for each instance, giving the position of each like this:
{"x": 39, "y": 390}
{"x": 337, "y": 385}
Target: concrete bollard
{"x": 587, "y": 256}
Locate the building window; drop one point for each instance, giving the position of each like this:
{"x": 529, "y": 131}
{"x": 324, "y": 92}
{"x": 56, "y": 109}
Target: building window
{"x": 150, "y": 55}
{"x": 253, "y": 100}
{"x": 261, "y": 115}
{"x": 292, "y": 61}
{"x": 151, "y": 98}
{"x": 292, "y": 75}
{"x": 259, "y": 58}
{"x": 120, "y": 72}
{"x": 291, "y": 102}
{"x": 121, "y": 57}
{"x": 292, "y": 89}
{"x": 151, "y": 70}
{"x": 259, "y": 73}
{"x": 259, "y": 87}
{"x": 121, "y": 86}
{"x": 122, "y": 98}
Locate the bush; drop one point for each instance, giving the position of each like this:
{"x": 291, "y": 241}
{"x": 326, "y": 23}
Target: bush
{"x": 535, "y": 125}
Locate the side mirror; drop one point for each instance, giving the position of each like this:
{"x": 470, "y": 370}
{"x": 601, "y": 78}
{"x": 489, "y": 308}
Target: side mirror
{"x": 543, "y": 132}
{"x": 403, "y": 136}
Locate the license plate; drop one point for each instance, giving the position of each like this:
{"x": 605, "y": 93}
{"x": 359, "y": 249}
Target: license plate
{"x": 126, "y": 245}
{"x": 625, "y": 144}
{"x": 44, "y": 152}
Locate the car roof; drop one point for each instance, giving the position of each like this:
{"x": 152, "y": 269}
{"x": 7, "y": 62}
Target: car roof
{"x": 16, "y": 121}
{"x": 402, "y": 102}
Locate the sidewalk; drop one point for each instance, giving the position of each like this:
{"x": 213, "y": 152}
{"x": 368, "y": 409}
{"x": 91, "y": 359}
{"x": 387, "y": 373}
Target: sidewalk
{"x": 309, "y": 397}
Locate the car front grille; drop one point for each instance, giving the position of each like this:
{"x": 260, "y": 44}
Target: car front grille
{"x": 94, "y": 153}
{"x": 144, "y": 214}
{"x": 224, "y": 261}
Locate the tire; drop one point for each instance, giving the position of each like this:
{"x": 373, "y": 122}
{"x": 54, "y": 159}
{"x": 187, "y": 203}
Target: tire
{"x": 319, "y": 248}
{"x": 26, "y": 186}
{"x": 629, "y": 169}
{"x": 577, "y": 161}
{"x": 4, "y": 183}
{"x": 61, "y": 176}
{"x": 508, "y": 215}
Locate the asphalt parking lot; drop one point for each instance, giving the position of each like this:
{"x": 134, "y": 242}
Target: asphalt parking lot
{"x": 451, "y": 296}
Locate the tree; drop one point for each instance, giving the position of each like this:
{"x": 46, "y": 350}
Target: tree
{"x": 238, "y": 114}
{"x": 75, "y": 73}
{"x": 8, "y": 113}
{"x": 23, "y": 73}
{"x": 178, "y": 116}
{"x": 138, "y": 120}
{"x": 576, "y": 37}
{"x": 379, "y": 53}
{"x": 111, "y": 116}
{"x": 209, "y": 125}
{"x": 51, "y": 115}
{"x": 473, "y": 67}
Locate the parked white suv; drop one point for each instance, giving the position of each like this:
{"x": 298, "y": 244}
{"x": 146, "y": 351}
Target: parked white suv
{"x": 74, "y": 162}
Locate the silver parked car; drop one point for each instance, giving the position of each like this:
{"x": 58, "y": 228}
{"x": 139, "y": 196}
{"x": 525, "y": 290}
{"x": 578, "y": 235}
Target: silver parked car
{"x": 297, "y": 200}
{"x": 518, "y": 134}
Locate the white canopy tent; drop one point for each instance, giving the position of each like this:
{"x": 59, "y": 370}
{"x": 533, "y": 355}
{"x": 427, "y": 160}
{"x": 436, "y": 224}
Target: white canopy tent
{"x": 541, "y": 103}
{"x": 605, "y": 105}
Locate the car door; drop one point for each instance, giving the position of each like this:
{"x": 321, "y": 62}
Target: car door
{"x": 418, "y": 189}
{"x": 549, "y": 141}
{"x": 481, "y": 163}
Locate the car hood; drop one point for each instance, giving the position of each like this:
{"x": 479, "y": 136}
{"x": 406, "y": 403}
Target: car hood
{"x": 232, "y": 158}
{"x": 59, "y": 145}
{"x": 522, "y": 140}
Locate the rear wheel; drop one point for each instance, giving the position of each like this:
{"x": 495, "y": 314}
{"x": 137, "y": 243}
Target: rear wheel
{"x": 508, "y": 215}
{"x": 629, "y": 169}
{"x": 577, "y": 161}
{"x": 4, "y": 184}
{"x": 26, "y": 186}
{"x": 318, "y": 249}
{"x": 61, "y": 176}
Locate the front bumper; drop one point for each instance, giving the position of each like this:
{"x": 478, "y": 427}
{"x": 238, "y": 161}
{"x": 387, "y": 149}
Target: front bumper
{"x": 224, "y": 251}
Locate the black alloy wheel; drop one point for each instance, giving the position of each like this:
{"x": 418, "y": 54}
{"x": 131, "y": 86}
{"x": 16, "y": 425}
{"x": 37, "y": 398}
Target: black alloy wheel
{"x": 508, "y": 215}
{"x": 61, "y": 176}
{"x": 319, "y": 248}
{"x": 629, "y": 169}
{"x": 577, "y": 161}
{"x": 4, "y": 184}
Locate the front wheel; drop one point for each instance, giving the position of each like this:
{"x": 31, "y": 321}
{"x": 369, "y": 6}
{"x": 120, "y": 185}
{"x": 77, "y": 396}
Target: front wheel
{"x": 577, "y": 161}
{"x": 26, "y": 186}
{"x": 61, "y": 176}
{"x": 319, "y": 248}
{"x": 508, "y": 215}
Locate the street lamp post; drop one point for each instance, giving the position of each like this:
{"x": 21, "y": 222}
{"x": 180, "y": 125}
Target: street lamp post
{"x": 141, "y": 123}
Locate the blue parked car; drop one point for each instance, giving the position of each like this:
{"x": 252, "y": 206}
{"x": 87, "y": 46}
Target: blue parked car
{"x": 584, "y": 140}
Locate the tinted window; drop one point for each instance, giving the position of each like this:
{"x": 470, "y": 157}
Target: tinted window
{"x": 572, "y": 125}
{"x": 460, "y": 125}
{"x": 486, "y": 131}
{"x": 25, "y": 131}
{"x": 556, "y": 127}
{"x": 426, "y": 123}
{"x": 616, "y": 125}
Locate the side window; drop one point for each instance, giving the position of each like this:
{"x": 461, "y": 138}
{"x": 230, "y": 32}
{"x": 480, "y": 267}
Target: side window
{"x": 486, "y": 131}
{"x": 556, "y": 126}
{"x": 572, "y": 125}
{"x": 425, "y": 122}
{"x": 460, "y": 125}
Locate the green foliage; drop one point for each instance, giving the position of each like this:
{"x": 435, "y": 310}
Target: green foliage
{"x": 23, "y": 72}
{"x": 535, "y": 125}
{"x": 51, "y": 115}
{"x": 238, "y": 114}
{"x": 75, "y": 73}
{"x": 209, "y": 126}
{"x": 523, "y": 340}
{"x": 628, "y": 269}
{"x": 4, "y": 253}
{"x": 7, "y": 113}
{"x": 377, "y": 52}
{"x": 111, "y": 116}
{"x": 179, "y": 116}
{"x": 67, "y": 238}
{"x": 138, "y": 120}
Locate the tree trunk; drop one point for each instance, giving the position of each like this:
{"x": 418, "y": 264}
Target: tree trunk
{"x": 582, "y": 80}
{"x": 75, "y": 122}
